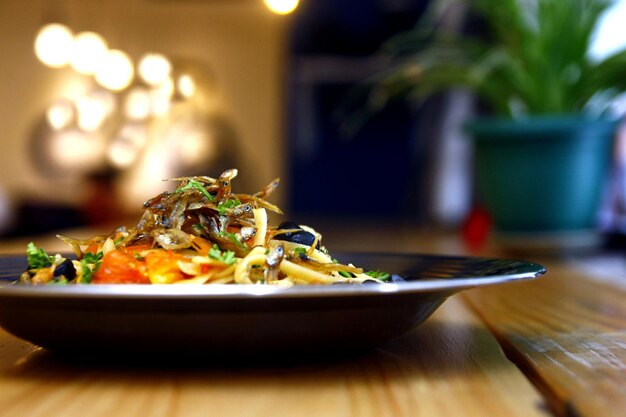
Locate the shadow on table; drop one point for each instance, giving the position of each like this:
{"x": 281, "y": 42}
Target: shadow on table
{"x": 434, "y": 350}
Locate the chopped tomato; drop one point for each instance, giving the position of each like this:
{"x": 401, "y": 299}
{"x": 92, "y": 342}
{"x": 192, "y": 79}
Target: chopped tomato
{"x": 163, "y": 267}
{"x": 120, "y": 267}
{"x": 136, "y": 248}
{"x": 93, "y": 248}
{"x": 204, "y": 269}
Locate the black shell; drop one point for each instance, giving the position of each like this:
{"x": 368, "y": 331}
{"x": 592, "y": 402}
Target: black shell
{"x": 301, "y": 236}
{"x": 65, "y": 268}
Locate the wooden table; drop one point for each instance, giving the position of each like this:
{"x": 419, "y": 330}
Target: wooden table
{"x": 553, "y": 346}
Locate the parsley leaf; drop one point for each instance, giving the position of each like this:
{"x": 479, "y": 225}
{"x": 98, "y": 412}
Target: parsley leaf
{"x": 228, "y": 257}
{"x": 299, "y": 251}
{"x": 227, "y": 205}
{"x": 215, "y": 253}
{"x": 383, "y": 276}
{"x": 92, "y": 258}
{"x": 58, "y": 281}
{"x": 233, "y": 237}
{"x": 37, "y": 257}
{"x": 344, "y": 274}
{"x": 88, "y": 265}
{"x": 198, "y": 186}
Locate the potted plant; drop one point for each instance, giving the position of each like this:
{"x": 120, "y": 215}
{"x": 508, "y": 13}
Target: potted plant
{"x": 544, "y": 151}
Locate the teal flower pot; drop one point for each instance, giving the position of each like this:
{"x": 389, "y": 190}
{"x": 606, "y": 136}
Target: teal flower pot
{"x": 542, "y": 174}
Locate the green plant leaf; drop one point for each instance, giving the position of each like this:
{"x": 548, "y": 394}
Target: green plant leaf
{"x": 534, "y": 59}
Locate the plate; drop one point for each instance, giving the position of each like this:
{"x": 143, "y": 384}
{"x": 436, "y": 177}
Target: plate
{"x": 245, "y": 319}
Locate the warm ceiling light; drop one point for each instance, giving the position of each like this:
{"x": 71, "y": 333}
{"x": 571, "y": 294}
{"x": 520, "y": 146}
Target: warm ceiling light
{"x": 159, "y": 103}
{"x": 154, "y": 69}
{"x": 166, "y": 88}
{"x": 122, "y": 154}
{"x": 53, "y": 45}
{"x": 126, "y": 147}
{"x": 186, "y": 85}
{"x": 76, "y": 150}
{"x": 60, "y": 114}
{"x": 91, "y": 113}
{"x": 88, "y": 52}
{"x": 137, "y": 104}
{"x": 106, "y": 99}
{"x": 116, "y": 71}
{"x": 282, "y": 6}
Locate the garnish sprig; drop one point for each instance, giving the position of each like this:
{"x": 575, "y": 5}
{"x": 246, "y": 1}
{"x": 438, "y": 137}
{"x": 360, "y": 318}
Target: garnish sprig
{"x": 195, "y": 184}
{"x": 37, "y": 257}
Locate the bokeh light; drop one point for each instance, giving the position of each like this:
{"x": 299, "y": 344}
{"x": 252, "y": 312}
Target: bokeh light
{"x": 137, "y": 104}
{"x": 75, "y": 150}
{"x": 53, "y": 45}
{"x": 128, "y": 144}
{"x": 160, "y": 102}
{"x": 91, "y": 113}
{"x": 88, "y": 52}
{"x": 282, "y": 6}
{"x": 60, "y": 114}
{"x": 116, "y": 71}
{"x": 166, "y": 88}
{"x": 154, "y": 69}
{"x": 107, "y": 100}
{"x": 186, "y": 85}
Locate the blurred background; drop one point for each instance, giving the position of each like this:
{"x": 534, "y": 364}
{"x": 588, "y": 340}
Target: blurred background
{"x": 102, "y": 100}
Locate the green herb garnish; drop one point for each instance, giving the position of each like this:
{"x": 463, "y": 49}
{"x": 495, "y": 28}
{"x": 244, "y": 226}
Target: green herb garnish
{"x": 228, "y": 257}
{"x": 88, "y": 265}
{"x": 233, "y": 237}
{"x": 58, "y": 281}
{"x": 345, "y": 274}
{"x": 299, "y": 251}
{"x": 196, "y": 185}
{"x": 37, "y": 257}
{"x": 227, "y": 205}
{"x": 380, "y": 275}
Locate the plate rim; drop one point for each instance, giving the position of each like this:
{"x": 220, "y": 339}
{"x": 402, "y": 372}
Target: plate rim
{"x": 253, "y": 291}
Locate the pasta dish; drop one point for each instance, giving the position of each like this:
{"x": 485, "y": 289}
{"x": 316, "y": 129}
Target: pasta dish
{"x": 200, "y": 233}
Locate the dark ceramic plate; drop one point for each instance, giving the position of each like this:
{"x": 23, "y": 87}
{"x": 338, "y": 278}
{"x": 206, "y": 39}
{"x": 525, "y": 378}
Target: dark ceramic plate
{"x": 244, "y": 319}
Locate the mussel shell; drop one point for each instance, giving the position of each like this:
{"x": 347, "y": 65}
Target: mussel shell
{"x": 65, "y": 268}
{"x": 301, "y": 236}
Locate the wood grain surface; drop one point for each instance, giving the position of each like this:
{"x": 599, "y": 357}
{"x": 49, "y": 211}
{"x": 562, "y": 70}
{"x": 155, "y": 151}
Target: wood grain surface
{"x": 567, "y": 333}
{"x": 450, "y": 366}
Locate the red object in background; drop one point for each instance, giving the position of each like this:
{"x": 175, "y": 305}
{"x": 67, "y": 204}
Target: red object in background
{"x": 475, "y": 230}
{"x": 101, "y": 202}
